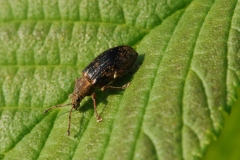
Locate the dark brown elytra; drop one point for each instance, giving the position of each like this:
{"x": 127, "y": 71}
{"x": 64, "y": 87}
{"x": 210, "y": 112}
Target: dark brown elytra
{"x": 108, "y": 66}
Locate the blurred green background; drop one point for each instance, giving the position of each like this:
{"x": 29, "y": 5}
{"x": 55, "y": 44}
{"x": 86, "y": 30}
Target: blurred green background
{"x": 227, "y": 146}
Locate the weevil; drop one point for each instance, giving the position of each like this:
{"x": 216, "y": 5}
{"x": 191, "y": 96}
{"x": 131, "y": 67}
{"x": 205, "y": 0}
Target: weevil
{"x": 109, "y": 65}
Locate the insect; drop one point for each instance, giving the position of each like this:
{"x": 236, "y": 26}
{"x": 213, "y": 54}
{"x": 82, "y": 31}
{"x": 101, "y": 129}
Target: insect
{"x": 108, "y": 66}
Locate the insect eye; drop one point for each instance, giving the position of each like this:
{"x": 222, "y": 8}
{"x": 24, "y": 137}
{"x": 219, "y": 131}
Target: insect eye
{"x": 78, "y": 99}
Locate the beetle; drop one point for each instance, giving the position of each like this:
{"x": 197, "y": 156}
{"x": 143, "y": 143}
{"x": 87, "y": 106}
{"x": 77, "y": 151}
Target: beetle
{"x": 106, "y": 67}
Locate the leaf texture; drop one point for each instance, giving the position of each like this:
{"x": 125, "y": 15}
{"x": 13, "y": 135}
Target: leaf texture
{"x": 173, "y": 109}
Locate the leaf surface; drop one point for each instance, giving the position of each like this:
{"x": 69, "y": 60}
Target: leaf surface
{"x": 189, "y": 55}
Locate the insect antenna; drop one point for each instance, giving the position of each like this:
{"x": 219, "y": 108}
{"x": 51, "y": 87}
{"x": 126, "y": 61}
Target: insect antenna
{"x": 57, "y": 106}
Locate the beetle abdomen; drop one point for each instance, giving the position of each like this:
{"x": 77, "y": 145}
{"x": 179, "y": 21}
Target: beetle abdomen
{"x": 110, "y": 64}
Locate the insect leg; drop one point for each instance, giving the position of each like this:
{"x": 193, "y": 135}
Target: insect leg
{"x": 69, "y": 121}
{"x": 113, "y": 87}
{"x": 95, "y": 108}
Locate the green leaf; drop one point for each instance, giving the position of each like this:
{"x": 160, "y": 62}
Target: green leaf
{"x": 173, "y": 108}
